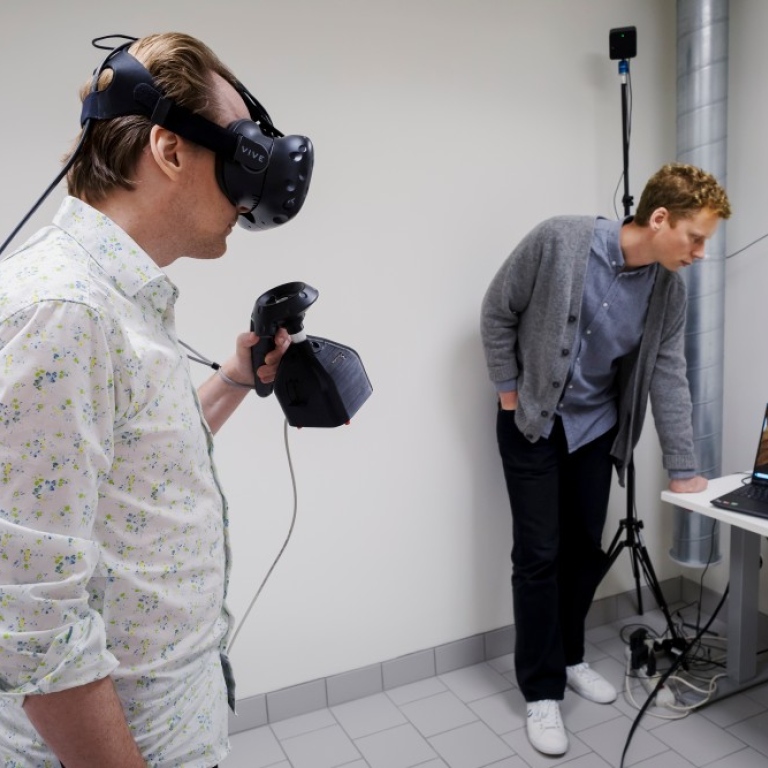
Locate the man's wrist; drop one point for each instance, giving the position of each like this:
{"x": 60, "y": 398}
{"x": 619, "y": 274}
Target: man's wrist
{"x": 232, "y": 383}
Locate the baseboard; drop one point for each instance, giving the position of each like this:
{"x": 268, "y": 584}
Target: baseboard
{"x": 255, "y": 711}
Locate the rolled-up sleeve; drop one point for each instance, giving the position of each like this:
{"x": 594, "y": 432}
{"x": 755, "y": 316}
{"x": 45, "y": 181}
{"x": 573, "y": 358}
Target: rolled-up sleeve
{"x": 56, "y": 424}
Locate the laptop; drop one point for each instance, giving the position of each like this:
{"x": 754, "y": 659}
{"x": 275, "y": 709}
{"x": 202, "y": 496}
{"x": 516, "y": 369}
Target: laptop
{"x": 751, "y": 498}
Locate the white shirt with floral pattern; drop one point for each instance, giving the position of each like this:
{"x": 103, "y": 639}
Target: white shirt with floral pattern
{"x": 114, "y": 555}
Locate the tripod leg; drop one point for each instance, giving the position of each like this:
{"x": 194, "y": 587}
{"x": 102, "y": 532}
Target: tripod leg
{"x": 614, "y": 550}
{"x": 636, "y": 567}
{"x": 655, "y": 587}
{"x": 632, "y": 525}
{"x": 640, "y": 558}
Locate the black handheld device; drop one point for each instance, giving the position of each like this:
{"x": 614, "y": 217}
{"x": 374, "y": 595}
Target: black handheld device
{"x": 282, "y": 307}
{"x": 319, "y": 383}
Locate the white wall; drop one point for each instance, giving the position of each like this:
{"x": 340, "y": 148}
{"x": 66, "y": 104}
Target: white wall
{"x": 444, "y": 130}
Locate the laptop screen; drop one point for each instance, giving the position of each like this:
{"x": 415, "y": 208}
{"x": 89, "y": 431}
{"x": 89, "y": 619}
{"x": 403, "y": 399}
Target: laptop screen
{"x": 760, "y": 471}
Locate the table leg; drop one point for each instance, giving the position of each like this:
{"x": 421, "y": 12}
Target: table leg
{"x": 743, "y": 605}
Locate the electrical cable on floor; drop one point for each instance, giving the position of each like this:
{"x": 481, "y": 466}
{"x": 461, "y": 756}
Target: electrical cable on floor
{"x": 628, "y": 695}
{"x": 663, "y": 677}
{"x": 685, "y": 656}
{"x": 678, "y": 681}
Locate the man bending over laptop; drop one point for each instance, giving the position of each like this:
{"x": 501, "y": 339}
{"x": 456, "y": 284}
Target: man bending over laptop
{"x": 584, "y": 320}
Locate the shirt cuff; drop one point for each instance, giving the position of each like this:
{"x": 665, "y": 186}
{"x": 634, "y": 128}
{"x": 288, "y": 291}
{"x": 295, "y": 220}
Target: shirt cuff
{"x": 75, "y": 657}
{"x": 681, "y": 474}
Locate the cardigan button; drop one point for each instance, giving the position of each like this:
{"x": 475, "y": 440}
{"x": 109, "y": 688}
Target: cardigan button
{"x": 571, "y": 318}
{"x": 545, "y": 413}
{"x": 556, "y": 384}
{"x": 565, "y": 352}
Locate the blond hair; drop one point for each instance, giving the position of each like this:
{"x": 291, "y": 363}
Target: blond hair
{"x": 181, "y": 67}
{"x": 683, "y": 190}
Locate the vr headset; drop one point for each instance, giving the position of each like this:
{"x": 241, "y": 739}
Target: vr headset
{"x": 257, "y": 167}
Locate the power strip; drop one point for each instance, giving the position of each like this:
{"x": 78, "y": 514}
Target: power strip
{"x": 664, "y": 696}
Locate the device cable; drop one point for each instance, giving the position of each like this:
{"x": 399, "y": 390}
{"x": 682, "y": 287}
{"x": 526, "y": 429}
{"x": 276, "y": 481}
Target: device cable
{"x": 96, "y": 42}
{"x": 673, "y": 668}
{"x": 285, "y": 543}
{"x": 48, "y": 191}
{"x": 198, "y": 357}
{"x": 748, "y": 245}
{"x": 680, "y": 659}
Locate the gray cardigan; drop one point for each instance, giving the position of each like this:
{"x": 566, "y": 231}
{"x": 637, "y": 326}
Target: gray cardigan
{"x": 530, "y": 314}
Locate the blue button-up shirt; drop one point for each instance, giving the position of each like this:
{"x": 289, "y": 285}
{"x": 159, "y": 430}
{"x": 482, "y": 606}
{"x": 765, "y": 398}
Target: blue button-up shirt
{"x": 613, "y": 310}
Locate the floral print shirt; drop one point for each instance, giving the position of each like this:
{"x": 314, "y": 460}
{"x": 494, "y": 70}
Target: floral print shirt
{"x": 114, "y": 555}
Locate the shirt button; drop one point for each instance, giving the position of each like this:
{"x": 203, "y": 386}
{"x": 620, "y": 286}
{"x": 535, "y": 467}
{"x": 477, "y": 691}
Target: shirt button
{"x": 589, "y": 333}
{"x": 605, "y": 303}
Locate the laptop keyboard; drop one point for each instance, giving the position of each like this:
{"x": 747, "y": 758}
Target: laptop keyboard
{"x": 758, "y": 492}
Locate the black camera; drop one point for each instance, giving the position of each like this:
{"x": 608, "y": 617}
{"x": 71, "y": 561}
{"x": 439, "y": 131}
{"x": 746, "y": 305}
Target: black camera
{"x": 622, "y": 43}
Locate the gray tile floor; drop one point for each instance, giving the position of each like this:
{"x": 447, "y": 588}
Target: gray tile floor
{"x": 475, "y": 718}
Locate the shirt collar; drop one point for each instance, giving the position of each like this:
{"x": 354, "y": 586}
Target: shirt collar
{"x": 119, "y": 256}
{"x": 610, "y": 230}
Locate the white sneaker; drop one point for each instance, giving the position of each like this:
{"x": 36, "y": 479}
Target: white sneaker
{"x": 546, "y": 731}
{"x": 589, "y": 684}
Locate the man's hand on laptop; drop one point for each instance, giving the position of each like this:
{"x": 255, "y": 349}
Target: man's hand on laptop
{"x": 688, "y": 485}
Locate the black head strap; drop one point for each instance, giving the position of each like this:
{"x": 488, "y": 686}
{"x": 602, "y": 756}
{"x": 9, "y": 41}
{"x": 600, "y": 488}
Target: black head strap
{"x": 117, "y": 99}
{"x": 132, "y": 91}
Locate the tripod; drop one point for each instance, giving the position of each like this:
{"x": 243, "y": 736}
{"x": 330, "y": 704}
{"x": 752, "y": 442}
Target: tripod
{"x": 641, "y": 560}
{"x": 630, "y": 525}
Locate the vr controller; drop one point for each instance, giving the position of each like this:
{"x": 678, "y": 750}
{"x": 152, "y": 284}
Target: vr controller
{"x": 319, "y": 383}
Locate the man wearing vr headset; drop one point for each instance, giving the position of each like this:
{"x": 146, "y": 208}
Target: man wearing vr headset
{"x": 112, "y": 521}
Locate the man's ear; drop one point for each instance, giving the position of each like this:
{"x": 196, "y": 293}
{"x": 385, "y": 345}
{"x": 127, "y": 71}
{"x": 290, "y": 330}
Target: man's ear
{"x": 657, "y": 218}
{"x": 165, "y": 145}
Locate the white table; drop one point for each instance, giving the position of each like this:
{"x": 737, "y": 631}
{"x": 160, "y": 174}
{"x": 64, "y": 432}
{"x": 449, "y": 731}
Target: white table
{"x": 742, "y": 667}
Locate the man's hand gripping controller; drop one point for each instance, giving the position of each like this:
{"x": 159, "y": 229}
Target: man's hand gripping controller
{"x": 282, "y": 307}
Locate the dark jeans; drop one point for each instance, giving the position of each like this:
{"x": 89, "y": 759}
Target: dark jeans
{"x": 559, "y": 504}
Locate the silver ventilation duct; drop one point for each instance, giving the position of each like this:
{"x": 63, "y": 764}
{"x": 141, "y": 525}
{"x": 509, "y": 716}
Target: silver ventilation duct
{"x": 702, "y": 106}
